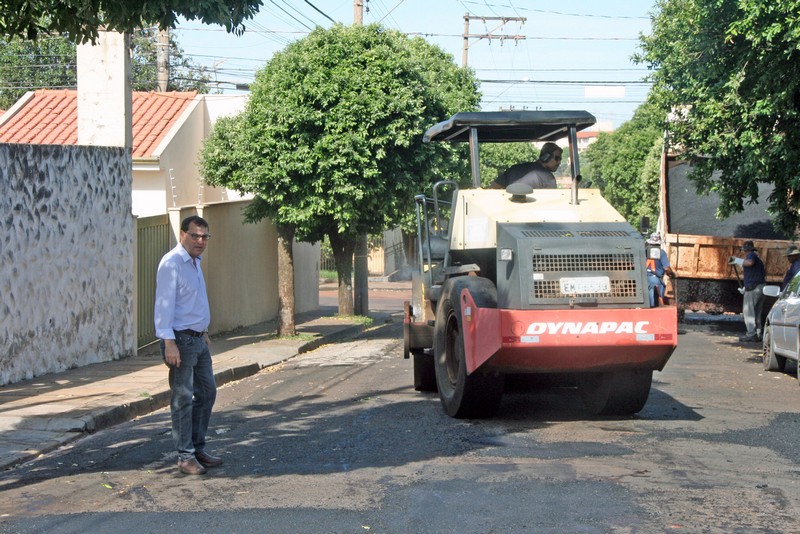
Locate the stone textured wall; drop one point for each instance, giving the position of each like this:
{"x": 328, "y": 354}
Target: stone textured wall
{"x": 66, "y": 258}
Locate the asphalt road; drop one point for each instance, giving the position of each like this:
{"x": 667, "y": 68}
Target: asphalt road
{"x": 337, "y": 441}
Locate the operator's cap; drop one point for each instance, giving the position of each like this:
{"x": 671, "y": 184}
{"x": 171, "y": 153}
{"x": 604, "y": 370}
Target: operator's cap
{"x": 654, "y": 239}
{"x": 792, "y": 251}
{"x": 748, "y": 246}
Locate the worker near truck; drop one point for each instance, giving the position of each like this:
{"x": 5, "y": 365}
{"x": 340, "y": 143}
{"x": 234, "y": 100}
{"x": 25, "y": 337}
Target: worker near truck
{"x": 753, "y": 290}
{"x": 657, "y": 266}
{"x": 537, "y": 174}
{"x": 793, "y": 255}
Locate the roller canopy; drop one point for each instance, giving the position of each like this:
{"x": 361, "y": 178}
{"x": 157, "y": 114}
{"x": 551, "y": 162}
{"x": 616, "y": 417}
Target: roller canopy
{"x": 509, "y": 126}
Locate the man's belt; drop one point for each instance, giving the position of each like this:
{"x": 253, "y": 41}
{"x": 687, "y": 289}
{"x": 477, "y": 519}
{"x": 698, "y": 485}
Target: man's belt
{"x": 192, "y": 333}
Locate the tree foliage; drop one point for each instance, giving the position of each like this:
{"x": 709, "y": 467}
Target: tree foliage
{"x": 81, "y": 20}
{"x": 731, "y": 72}
{"x": 620, "y": 164}
{"x": 331, "y": 138}
{"x": 28, "y": 65}
{"x": 51, "y": 63}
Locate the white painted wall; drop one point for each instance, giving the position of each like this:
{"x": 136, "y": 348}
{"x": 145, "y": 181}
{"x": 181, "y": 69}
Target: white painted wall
{"x": 66, "y": 258}
{"x": 104, "y": 91}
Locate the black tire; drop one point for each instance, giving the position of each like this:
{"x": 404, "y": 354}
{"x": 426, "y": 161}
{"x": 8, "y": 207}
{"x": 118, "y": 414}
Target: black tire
{"x": 797, "y": 370}
{"x": 479, "y": 394}
{"x": 617, "y": 392}
{"x": 772, "y": 362}
{"x": 424, "y": 371}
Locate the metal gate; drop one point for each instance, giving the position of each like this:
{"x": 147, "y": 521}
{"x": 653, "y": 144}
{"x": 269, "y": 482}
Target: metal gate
{"x": 152, "y": 242}
{"x": 375, "y": 259}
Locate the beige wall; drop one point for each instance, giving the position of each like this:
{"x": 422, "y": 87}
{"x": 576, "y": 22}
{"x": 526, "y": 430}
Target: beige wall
{"x": 241, "y": 267}
{"x": 149, "y": 195}
{"x": 179, "y": 152}
{"x": 306, "y": 276}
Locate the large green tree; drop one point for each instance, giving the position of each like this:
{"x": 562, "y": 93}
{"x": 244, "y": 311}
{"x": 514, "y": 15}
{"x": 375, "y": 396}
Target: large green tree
{"x": 617, "y": 164}
{"x": 81, "y": 20}
{"x": 730, "y": 72}
{"x": 50, "y": 62}
{"x": 331, "y": 138}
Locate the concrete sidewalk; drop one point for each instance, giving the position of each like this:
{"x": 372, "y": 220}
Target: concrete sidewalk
{"x": 39, "y": 415}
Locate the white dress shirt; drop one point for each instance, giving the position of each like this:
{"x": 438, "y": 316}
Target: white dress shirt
{"x": 181, "y": 298}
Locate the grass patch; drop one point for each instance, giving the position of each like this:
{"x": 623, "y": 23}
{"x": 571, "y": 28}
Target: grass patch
{"x": 298, "y": 337}
{"x": 358, "y": 319}
{"x": 328, "y": 275}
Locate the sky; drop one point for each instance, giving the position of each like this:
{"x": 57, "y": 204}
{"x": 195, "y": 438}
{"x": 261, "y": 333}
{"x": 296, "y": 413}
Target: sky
{"x": 575, "y": 54}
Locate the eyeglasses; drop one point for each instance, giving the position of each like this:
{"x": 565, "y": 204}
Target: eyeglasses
{"x": 198, "y": 237}
{"x": 557, "y": 158}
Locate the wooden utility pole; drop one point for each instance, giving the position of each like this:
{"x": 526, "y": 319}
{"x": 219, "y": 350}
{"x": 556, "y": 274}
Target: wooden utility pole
{"x": 490, "y": 35}
{"x": 162, "y": 61}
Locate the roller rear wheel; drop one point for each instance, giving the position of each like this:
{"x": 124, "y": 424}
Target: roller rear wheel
{"x": 424, "y": 371}
{"x": 615, "y": 393}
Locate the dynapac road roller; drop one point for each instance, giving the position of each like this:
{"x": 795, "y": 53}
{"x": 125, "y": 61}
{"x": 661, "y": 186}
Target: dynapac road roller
{"x": 518, "y": 281}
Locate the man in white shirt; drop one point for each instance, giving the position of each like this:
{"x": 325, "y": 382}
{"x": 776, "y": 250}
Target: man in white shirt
{"x": 182, "y": 317}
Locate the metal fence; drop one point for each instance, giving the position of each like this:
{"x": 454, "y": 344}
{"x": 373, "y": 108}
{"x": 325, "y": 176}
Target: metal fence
{"x": 152, "y": 242}
{"x": 376, "y": 257}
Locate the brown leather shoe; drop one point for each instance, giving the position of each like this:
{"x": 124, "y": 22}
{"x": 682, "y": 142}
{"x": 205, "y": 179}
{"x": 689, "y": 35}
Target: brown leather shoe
{"x": 206, "y": 460}
{"x": 191, "y": 467}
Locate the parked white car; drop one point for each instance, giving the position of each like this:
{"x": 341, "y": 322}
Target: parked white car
{"x": 782, "y": 327}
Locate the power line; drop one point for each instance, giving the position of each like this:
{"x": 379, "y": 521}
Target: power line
{"x": 320, "y": 11}
{"x": 291, "y": 16}
{"x": 560, "y": 13}
{"x": 567, "y": 82}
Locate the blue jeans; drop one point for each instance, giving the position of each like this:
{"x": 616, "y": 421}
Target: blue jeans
{"x": 193, "y": 394}
{"x": 654, "y": 281}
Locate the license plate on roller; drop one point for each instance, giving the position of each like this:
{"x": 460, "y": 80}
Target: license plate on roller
{"x": 593, "y": 284}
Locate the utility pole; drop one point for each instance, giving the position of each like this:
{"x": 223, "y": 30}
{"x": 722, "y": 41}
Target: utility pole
{"x": 503, "y": 21}
{"x": 358, "y": 12}
{"x": 162, "y": 60}
{"x": 361, "y": 252}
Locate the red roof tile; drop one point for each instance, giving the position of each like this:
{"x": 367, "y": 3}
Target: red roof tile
{"x": 50, "y": 117}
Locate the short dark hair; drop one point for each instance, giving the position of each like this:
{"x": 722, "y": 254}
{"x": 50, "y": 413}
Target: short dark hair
{"x": 548, "y": 151}
{"x": 196, "y": 219}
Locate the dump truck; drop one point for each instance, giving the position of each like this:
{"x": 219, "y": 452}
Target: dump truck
{"x": 699, "y": 245}
{"x": 518, "y": 281}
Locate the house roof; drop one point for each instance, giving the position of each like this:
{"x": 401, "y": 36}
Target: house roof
{"x": 50, "y": 117}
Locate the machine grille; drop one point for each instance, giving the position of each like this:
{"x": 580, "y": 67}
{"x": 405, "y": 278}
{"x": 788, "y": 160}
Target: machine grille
{"x": 570, "y": 233}
{"x": 548, "y": 263}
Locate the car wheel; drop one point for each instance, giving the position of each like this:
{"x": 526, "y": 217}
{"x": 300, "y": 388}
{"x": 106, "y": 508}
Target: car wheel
{"x": 772, "y": 362}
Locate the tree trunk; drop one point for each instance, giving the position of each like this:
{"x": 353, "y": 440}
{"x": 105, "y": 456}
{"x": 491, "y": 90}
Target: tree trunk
{"x": 361, "y": 277}
{"x": 286, "y": 326}
{"x": 343, "y": 248}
